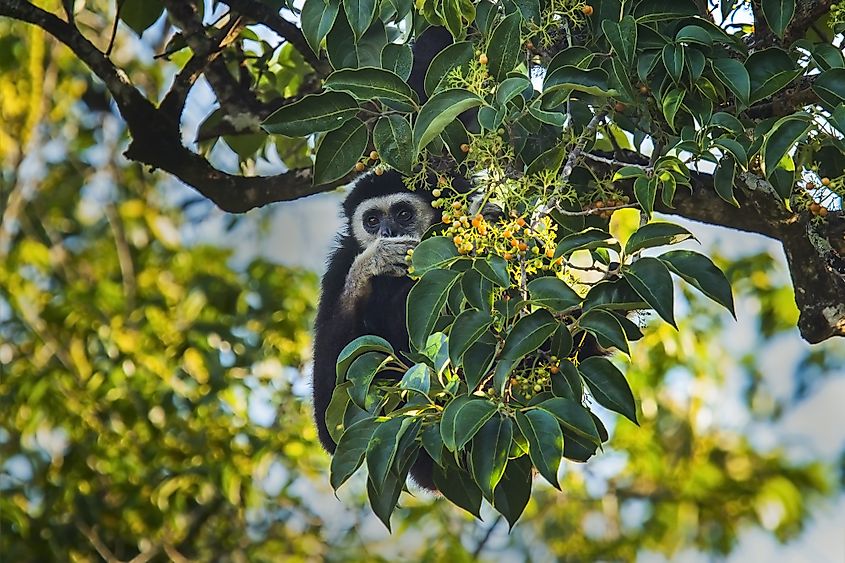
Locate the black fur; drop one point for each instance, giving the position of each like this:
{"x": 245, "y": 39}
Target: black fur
{"x": 382, "y": 313}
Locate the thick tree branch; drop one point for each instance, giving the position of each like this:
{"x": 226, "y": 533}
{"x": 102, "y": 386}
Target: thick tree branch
{"x": 818, "y": 286}
{"x": 156, "y": 136}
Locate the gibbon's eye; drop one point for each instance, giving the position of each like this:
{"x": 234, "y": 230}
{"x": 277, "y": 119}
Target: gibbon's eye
{"x": 405, "y": 215}
{"x": 371, "y": 221}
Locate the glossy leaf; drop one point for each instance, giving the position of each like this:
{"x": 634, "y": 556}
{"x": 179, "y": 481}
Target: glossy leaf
{"x": 394, "y": 142}
{"x": 609, "y": 387}
{"x": 504, "y": 47}
{"x": 656, "y": 234}
{"x": 466, "y": 330}
{"x": 734, "y": 75}
{"x": 441, "y": 109}
{"x": 573, "y": 416}
{"x": 527, "y": 335}
{"x": 359, "y": 346}
{"x": 489, "y": 456}
{"x": 316, "y": 20}
{"x": 604, "y": 325}
{"x": 778, "y": 14}
{"x": 588, "y": 239}
{"x": 312, "y": 114}
{"x": 514, "y": 490}
{"x": 651, "y": 280}
{"x": 552, "y": 292}
{"x": 339, "y": 150}
{"x": 545, "y": 442}
{"x": 425, "y": 302}
{"x": 350, "y": 451}
{"x": 700, "y": 272}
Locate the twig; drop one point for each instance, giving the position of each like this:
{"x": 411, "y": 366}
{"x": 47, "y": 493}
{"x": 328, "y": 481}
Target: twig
{"x": 483, "y": 542}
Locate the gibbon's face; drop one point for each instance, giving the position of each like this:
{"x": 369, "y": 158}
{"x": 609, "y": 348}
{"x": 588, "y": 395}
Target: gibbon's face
{"x": 394, "y": 215}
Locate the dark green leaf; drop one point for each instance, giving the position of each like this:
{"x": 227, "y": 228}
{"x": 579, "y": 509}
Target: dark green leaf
{"x": 360, "y": 345}
{"x": 645, "y": 192}
{"x": 337, "y": 409}
{"x": 609, "y": 386}
{"x": 368, "y": 83}
{"x": 782, "y": 137}
{"x": 425, "y": 302}
{"x": 567, "y": 382}
{"x": 489, "y": 456}
{"x": 393, "y": 140}
{"x": 511, "y": 88}
{"x": 527, "y": 335}
{"x": 350, "y": 451}
{"x": 361, "y": 373}
{"x": 778, "y": 14}
{"x": 593, "y": 81}
{"x": 700, "y": 272}
{"x": 439, "y": 111}
{"x": 312, "y": 114}
{"x": 770, "y": 70}
{"x": 733, "y": 74}
{"x": 339, "y": 150}
{"x": 468, "y": 421}
{"x": 545, "y": 442}
{"x": 140, "y": 14}
{"x": 360, "y": 14}
{"x": 673, "y": 60}
{"x": 651, "y": 280}
{"x": 455, "y": 55}
{"x": 552, "y": 292}
{"x": 622, "y": 37}
{"x": 494, "y": 268}
{"x": 656, "y": 234}
{"x": 467, "y": 329}
{"x": 514, "y": 490}
{"x": 316, "y": 20}
{"x": 573, "y": 416}
{"x": 382, "y": 448}
{"x": 458, "y": 486}
{"x": 398, "y": 59}
{"x": 432, "y": 253}
{"x": 418, "y": 378}
{"x": 505, "y": 46}
{"x": 478, "y": 359}
{"x": 723, "y": 179}
{"x": 830, "y": 86}
{"x": 605, "y": 325}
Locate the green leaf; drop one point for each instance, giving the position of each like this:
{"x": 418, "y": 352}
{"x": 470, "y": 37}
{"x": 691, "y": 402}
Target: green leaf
{"x": 433, "y": 442}
{"x": 511, "y": 88}
{"x": 360, "y": 14}
{"x": 545, "y": 442}
{"x": 312, "y": 114}
{"x": 361, "y": 373}
{"x": 140, "y": 14}
{"x": 733, "y": 74}
{"x": 830, "y": 86}
{"x": 723, "y": 179}
{"x": 455, "y": 55}
{"x": 477, "y": 290}
{"x": 394, "y": 142}
{"x": 694, "y": 34}
{"x": 605, "y": 326}
{"x": 425, "y": 302}
{"x": 734, "y": 148}
{"x": 350, "y": 451}
{"x": 418, "y": 378}
{"x": 368, "y": 83}
{"x": 567, "y": 382}
{"x": 553, "y": 118}
{"x": 527, "y": 335}
{"x": 770, "y": 70}
{"x": 588, "y": 239}
{"x": 614, "y": 294}
{"x": 651, "y": 280}
{"x": 458, "y": 487}
{"x": 552, "y": 292}
{"x": 645, "y": 192}
{"x": 317, "y": 19}
{"x": 671, "y": 104}
{"x": 700, "y": 272}
{"x": 573, "y": 416}
{"x": 489, "y": 455}
{"x": 656, "y": 234}
{"x": 337, "y": 409}
{"x": 469, "y": 420}
{"x": 609, "y": 386}
{"x": 593, "y": 81}
{"x": 478, "y": 359}
{"x": 357, "y": 347}
{"x": 339, "y": 150}
{"x": 433, "y": 253}
{"x": 622, "y": 37}
{"x": 782, "y": 137}
{"x": 627, "y": 172}
{"x": 673, "y": 60}
{"x": 454, "y": 136}
{"x": 398, "y": 59}
{"x": 514, "y": 490}
{"x": 466, "y": 330}
{"x": 382, "y": 448}
{"x": 494, "y": 268}
{"x": 778, "y": 14}
{"x": 505, "y": 46}
{"x": 440, "y": 110}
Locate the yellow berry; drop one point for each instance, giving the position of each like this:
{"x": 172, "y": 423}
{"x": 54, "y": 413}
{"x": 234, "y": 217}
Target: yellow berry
{"x": 379, "y": 170}
{"x": 482, "y": 58}
{"x": 507, "y": 234}
{"x": 436, "y": 193}
{"x": 825, "y": 181}
{"x": 456, "y": 224}
{"x": 373, "y": 155}
{"x": 456, "y": 205}
{"x": 458, "y": 240}
{"x": 464, "y": 147}
{"x": 554, "y": 369}
{"x": 359, "y": 167}
{"x": 507, "y": 256}
{"x": 550, "y": 253}
{"x": 523, "y": 247}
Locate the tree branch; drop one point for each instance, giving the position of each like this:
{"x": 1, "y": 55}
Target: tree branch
{"x": 263, "y": 13}
{"x": 156, "y": 136}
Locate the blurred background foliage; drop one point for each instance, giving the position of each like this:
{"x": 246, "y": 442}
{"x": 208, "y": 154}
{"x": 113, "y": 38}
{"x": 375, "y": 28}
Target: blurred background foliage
{"x": 153, "y": 393}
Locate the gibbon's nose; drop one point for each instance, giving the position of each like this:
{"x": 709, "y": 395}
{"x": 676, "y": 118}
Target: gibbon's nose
{"x": 386, "y": 229}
